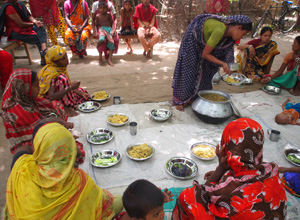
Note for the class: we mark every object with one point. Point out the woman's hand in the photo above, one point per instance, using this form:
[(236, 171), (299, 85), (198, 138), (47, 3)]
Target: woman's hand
[(86, 96), (226, 68), (69, 125), (252, 51), (208, 174), (75, 85), (74, 29), (167, 195), (265, 80), (38, 24), (222, 156)]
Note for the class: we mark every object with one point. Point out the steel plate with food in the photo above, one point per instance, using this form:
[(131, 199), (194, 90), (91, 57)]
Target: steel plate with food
[(105, 158), (89, 106), (160, 114), (100, 96), (293, 156), (204, 151), (140, 152), (117, 119), (100, 136), (234, 79), (273, 90), (181, 167)]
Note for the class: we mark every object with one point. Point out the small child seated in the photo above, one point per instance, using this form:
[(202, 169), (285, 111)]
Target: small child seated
[(104, 21), (143, 200), (290, 113)]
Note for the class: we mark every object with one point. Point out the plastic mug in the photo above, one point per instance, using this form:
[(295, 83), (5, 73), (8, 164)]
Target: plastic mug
[(133, 128), (117, 100), (273, 135)]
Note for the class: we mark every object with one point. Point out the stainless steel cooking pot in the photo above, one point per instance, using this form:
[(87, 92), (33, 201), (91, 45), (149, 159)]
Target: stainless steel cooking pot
[(212, 112)]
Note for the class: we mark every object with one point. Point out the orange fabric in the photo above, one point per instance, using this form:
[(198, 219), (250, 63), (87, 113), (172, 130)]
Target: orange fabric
[(294, 113)]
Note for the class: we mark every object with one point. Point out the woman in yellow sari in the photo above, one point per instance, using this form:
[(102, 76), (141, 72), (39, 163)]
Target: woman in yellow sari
[(78, 31), (257, 55), (45, 185), (55, 82)]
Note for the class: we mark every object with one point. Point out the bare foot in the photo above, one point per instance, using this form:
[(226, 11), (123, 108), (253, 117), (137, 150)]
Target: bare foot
[(148, 56), (145, 53), (70, 112), (129, 52), (296, 93), (180, 108), (110, 63), (101, 63), (292, 91)]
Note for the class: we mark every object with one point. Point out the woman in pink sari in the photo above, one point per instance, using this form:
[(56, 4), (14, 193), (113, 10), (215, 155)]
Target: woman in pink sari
[(112, 10)]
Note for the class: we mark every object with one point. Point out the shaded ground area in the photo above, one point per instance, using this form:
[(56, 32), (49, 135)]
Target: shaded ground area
[(133, 77)]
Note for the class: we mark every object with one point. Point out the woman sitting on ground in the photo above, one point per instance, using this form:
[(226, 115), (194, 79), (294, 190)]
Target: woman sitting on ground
[(290, 79), (23, 109), (56, 84), (257, 55), (54, 188), (242, 186)]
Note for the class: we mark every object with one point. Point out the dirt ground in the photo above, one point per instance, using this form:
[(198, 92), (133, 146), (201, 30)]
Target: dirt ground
[(134, 78)]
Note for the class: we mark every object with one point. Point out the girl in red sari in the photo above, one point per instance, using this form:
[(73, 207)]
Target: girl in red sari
[(242, 186), (23, 109)]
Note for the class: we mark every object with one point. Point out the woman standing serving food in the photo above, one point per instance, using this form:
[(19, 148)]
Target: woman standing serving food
[(206, 45)]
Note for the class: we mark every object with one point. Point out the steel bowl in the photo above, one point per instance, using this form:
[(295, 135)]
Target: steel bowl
[(99, 136), (203, 143), (104, 155), (90, 106), (181, 168), (139, 159), (273, 90), (160, 114), (100, 100), (240, 79), (212, 112), (293, 153)]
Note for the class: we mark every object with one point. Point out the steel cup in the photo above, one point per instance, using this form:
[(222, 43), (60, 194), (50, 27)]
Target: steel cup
[(133, 128), (273, 135), (117, 100)]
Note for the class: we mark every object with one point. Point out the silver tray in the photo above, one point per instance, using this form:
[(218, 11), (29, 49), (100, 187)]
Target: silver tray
[(89, 106), (203, 143), (139, 159), (272, 90), (117, 125), (100, 100), (107, 158), (99, 136), (177, 164), (238, 76), (295, 152), (160, 114)]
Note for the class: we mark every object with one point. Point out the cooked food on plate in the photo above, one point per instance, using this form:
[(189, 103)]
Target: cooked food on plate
[(118, 119), (100, 95), (140, 151), (204, 151)]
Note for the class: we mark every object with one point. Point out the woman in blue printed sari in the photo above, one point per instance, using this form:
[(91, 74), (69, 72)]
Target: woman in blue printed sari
[(206, 45)]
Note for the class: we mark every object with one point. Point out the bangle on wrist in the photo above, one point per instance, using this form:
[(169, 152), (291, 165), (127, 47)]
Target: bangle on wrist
[(52, 114), (269, 78), (250, 46)]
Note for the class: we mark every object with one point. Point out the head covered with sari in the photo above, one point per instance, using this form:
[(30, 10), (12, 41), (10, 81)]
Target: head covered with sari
[(250, 189), (49, 187), (21, 112), (52, 70)]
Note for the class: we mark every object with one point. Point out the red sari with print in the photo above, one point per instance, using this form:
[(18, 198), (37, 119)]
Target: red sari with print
[(250, 189)]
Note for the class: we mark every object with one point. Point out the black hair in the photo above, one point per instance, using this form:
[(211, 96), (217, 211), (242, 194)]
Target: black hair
[(141, 197), (33, 76), (265, 29), (245, 26), (102, 3), (298, 39), (124, 1)]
